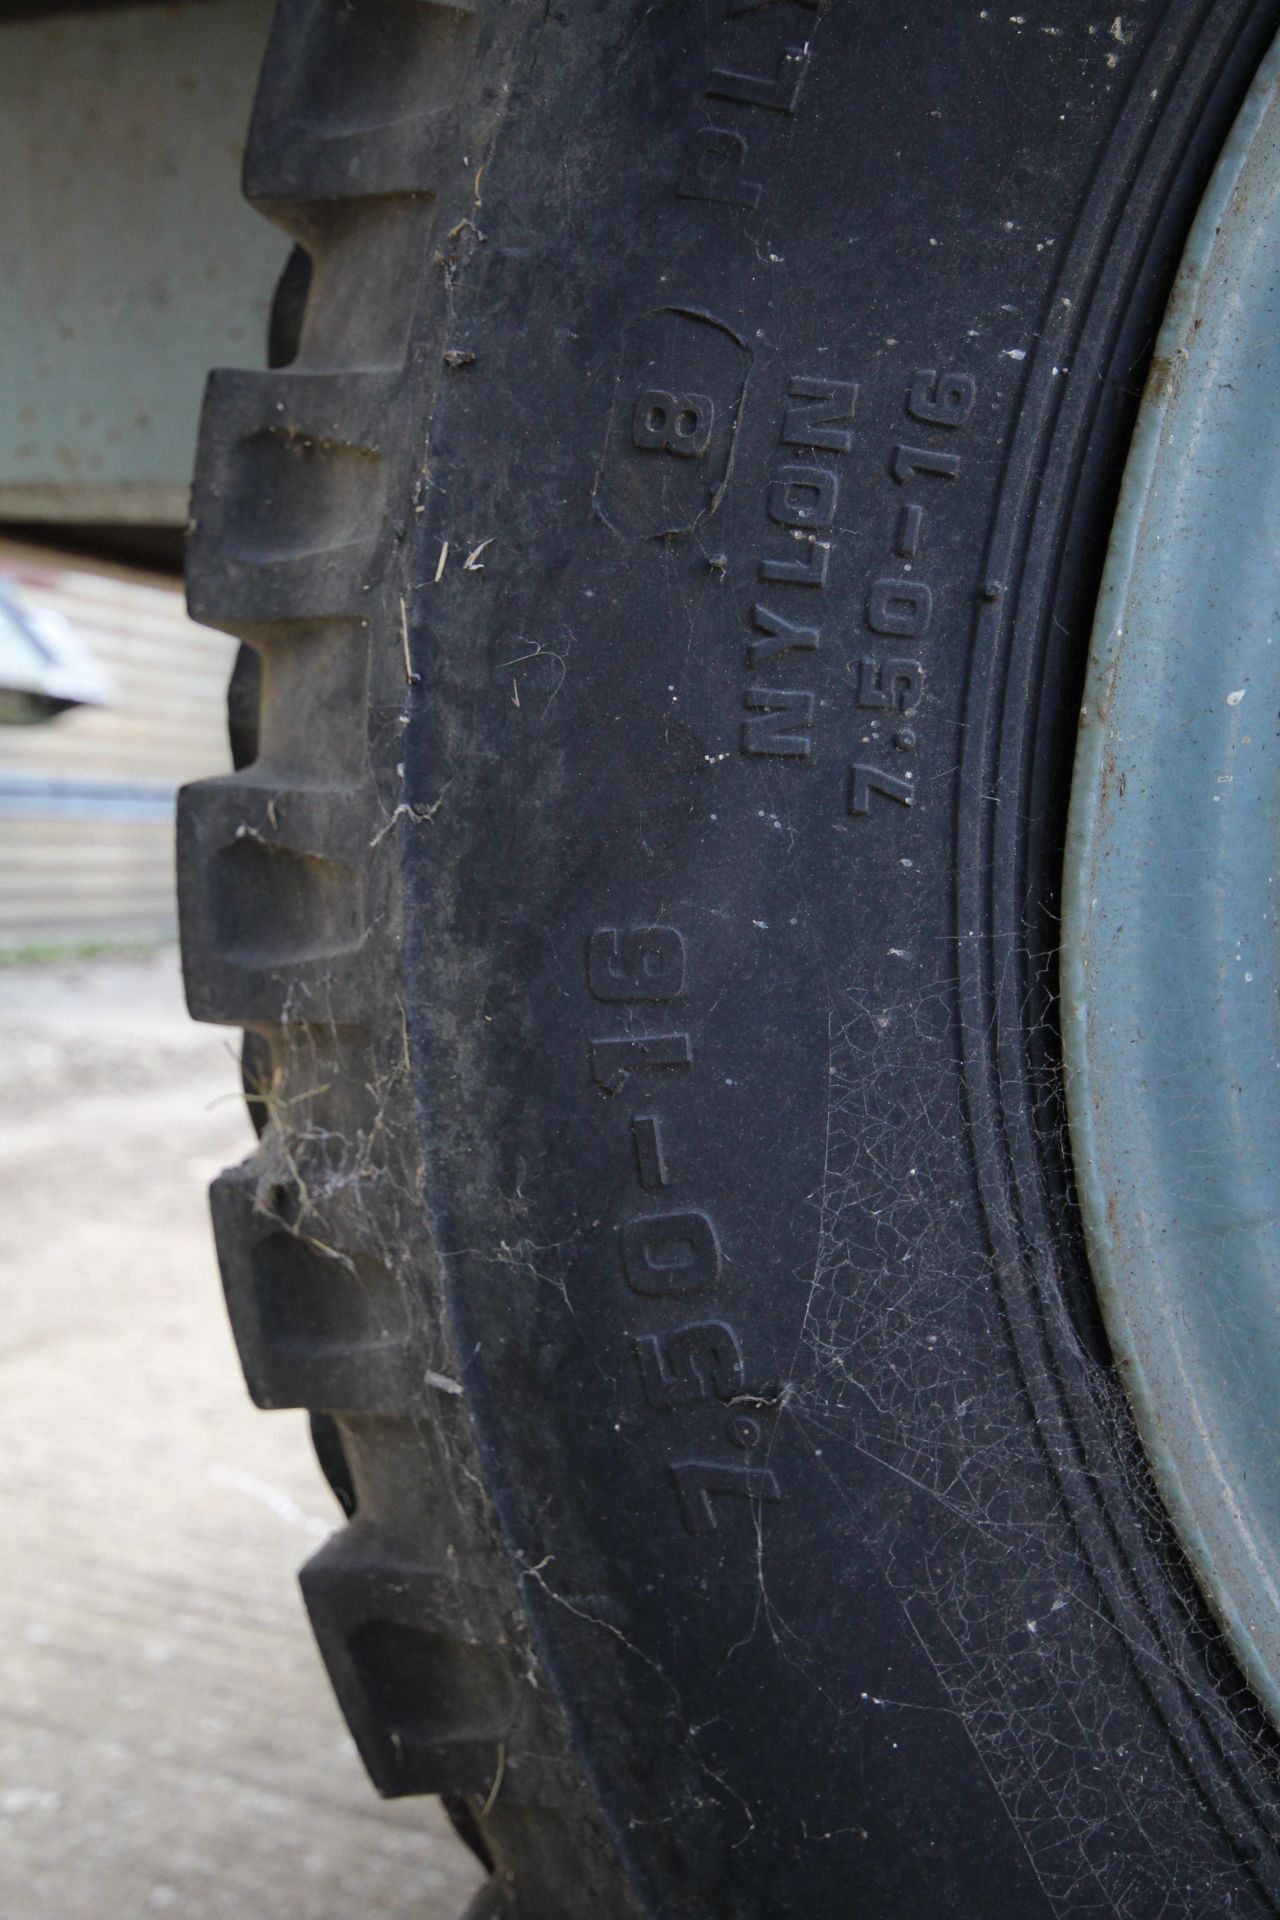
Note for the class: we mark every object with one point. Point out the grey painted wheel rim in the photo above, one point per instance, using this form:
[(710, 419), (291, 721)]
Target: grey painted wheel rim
[(1170, 960)]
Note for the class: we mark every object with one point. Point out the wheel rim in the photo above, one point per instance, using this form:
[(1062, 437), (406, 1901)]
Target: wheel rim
[(1170, 965)]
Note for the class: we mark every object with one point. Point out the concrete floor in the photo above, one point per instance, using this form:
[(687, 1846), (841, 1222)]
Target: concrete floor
[(168, 1744)]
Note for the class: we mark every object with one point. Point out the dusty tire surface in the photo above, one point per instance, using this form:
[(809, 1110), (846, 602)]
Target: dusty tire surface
[(670, 553)]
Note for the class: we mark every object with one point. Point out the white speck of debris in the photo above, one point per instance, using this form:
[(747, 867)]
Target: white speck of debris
[(441, 1382), (473, 563), (762, 924), (1234, 699), (906, 863), (899, 953), (442, 562), (1249, 979), (29, 1800), (1116, 29), (1013, 353)]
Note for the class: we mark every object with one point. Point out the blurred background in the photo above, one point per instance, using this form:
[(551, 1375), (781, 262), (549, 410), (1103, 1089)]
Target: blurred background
[(167, 1739)]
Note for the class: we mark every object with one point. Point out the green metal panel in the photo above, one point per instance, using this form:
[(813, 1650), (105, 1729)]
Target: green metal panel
[(129, 264)]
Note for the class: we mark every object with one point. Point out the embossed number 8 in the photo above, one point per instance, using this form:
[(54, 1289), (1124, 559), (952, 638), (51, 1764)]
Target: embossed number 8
[(678, 423)]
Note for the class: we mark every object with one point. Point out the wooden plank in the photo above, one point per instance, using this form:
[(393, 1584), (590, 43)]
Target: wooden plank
[(78, 876), (167, 717)]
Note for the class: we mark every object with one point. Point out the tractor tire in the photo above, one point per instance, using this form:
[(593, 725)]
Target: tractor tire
[(670, 554)]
